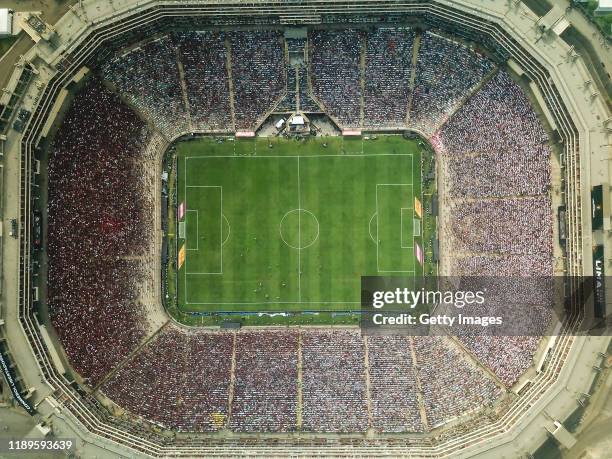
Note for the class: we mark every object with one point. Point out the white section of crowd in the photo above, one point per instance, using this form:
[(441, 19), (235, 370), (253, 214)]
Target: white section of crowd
[(265, 393), (451, 384), (498, 178), (388, 69), (333, 381), (259, 74), (148, 77), (335, 73), (393, 385), (204, 59), (446, 73)]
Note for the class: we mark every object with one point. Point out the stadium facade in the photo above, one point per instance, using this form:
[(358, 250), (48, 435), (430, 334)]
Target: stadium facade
[(530, 45)]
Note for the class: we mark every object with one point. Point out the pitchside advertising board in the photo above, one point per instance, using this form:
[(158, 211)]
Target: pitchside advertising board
[(562, 225), (598, 215), (597, 207), (599, 282)]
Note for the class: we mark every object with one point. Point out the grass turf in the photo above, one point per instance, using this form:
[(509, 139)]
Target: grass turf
[(280, 225)]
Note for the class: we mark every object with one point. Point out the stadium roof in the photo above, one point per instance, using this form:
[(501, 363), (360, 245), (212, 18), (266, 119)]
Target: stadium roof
[(554, 20), (604, 7), (6, 22)]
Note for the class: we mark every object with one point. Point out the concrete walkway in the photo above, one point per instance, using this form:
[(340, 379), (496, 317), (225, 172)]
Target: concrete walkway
[(594, 48), (51, 10)]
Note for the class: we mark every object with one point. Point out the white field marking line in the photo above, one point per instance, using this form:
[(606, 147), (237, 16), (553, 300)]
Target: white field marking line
[(221, 229), (358, 155), (197, 229), (377, 240), (229, 229), (370, 227), (185, 200), (421, 199), (280, 228), (410, 271), (412, 195), (402, 209), (284, 302), (393, 184), (349, 155), (299, 234)]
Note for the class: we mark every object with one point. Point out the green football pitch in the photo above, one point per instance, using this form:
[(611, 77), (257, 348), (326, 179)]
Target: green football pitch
[(285, 225)]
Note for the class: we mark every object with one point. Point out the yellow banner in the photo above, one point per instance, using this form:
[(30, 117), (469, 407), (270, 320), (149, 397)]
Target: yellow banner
[(181, 257), (218, 419), (418, 208)]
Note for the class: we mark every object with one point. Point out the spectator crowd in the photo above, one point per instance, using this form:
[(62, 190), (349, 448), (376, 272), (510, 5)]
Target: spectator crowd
[(204, 59), (335, 73), (151, 76), (393, 385), (334, 389), (388, 67), (148, 77), (99, 223), (265, 391), (508, 225), (497, 176), (182, 380), (179, 380), (259, 72), (446, 73), (452, 385)]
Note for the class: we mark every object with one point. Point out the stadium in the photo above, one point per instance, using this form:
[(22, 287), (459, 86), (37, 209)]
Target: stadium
[(200, 187)]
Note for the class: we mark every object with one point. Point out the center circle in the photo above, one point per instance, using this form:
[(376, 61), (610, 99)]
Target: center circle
[(299, 228)]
